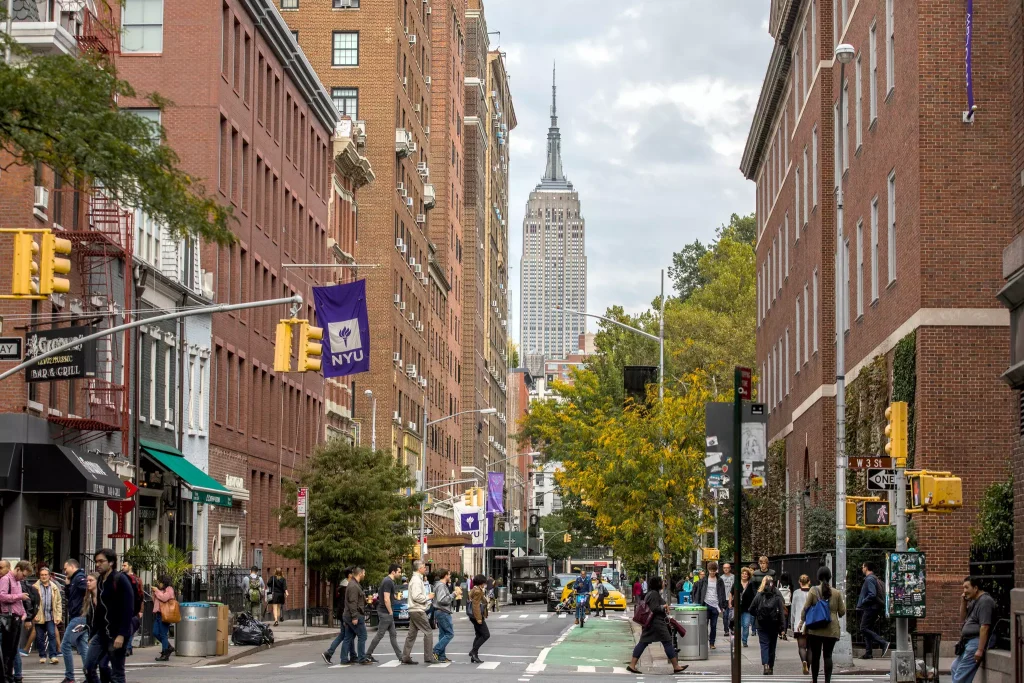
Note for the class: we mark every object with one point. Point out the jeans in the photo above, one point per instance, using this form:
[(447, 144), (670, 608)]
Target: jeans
[(713, 613), (748, 620), (74, 641), (482, 635), (727, 621), (670, 652), (385, 624), (9, 652), (867, 627), (348, 651), (161, 631), (355, 633), (769, 641), (417, 623), (46, 639), (818, 646), (963, 668), (99, 647), (445, 633)]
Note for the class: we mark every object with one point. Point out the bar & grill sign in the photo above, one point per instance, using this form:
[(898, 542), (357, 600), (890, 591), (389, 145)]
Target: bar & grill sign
[(78, 361)]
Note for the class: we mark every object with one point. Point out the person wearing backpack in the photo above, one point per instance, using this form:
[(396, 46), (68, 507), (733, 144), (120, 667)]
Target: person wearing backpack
[(871, 602), (126, 569), (255, 589), (769, 612), (822, 625), (602, 593)]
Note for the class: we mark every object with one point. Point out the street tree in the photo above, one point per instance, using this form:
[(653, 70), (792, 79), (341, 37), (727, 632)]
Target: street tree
[(358, 514), (556, 526), (60, 111)]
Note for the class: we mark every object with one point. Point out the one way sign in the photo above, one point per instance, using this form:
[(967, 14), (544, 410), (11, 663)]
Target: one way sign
[(881, 480)]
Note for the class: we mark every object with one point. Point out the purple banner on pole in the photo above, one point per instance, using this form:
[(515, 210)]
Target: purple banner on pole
[(967, 59), (496, 492), (341, 311), (489, 539)]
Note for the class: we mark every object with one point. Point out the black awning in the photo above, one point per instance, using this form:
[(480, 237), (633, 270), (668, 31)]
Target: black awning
[(49, 468)]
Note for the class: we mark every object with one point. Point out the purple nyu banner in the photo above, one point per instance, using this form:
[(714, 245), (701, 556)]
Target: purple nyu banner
[(341, 311), (496, 492), (489, 539)]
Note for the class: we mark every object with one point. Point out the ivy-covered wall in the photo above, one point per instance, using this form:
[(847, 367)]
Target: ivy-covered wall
[(904, 386), (768, 507)]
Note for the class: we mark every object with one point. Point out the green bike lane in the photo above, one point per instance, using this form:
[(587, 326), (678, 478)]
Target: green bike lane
[(600, 643)]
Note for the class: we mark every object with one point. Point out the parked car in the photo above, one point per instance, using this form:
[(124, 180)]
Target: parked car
[(399, 607), (556, 589)]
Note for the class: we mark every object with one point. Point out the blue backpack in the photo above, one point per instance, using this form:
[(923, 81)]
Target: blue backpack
[(819, 615)]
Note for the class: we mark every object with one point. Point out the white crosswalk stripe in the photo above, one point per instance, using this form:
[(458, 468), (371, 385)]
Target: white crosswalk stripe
[(440, 665), (587, 669), (390, 664), (562, 616), (535, 667), (503, 616), (489, 665), (296, 665), (209, 666), (249, 666), (339, 666), (619, 670), (524, 616)]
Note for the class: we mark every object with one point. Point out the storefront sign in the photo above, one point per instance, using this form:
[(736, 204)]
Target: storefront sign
[(211, 498), (78, 361), (147, 513)]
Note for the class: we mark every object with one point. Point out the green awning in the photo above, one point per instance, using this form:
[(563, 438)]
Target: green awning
[(205, 489)]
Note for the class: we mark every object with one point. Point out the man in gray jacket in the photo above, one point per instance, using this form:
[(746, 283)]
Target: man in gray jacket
[(443, 600), (420, 597)]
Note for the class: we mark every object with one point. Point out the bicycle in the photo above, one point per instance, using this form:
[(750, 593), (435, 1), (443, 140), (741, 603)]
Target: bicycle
[(581, 609)]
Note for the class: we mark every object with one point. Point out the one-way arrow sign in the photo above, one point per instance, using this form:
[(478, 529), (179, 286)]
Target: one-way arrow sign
[(881, 480)]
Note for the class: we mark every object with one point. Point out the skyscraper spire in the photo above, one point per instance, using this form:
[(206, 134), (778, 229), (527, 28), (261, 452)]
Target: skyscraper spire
[(553, 172)]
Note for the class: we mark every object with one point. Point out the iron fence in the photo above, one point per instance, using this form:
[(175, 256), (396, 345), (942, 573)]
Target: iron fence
[(216, 583)]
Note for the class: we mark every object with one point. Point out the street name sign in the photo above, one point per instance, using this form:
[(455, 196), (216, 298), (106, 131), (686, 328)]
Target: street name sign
[(10, 348), (881, 480), (863, 462)]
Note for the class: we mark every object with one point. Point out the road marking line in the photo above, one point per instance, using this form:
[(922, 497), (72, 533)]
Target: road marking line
[(390, 664), (619, 670), (562, 616), (503, 616), (524, 616), (586, 669), (208, 666), (439, 665), (296, 665), (539, 665), (542, 616), (489, 665), (248, 666)]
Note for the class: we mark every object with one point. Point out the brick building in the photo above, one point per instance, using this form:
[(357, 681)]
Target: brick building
[(927, 212)]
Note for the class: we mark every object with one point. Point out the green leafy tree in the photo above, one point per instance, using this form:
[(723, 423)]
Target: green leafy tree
[(994, 532), (60, 111), (556, 525), (358, 514), (685, 269), (513, 350)]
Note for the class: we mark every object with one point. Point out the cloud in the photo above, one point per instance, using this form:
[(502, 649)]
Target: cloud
[(655, 100)]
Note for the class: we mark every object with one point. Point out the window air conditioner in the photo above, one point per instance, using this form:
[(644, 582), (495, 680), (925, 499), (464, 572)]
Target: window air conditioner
[(412, 38), (395, 358), (398, 298), (41, 199), (400, 187), (397, 418), (410, 370), (401, 306)]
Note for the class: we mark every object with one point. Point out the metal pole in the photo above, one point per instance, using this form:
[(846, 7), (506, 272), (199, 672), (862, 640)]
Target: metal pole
[(423, 482), (844, 648), (737, 492), (716, 521), (305, 568), (373, 425), (903, 656), (663, 569)]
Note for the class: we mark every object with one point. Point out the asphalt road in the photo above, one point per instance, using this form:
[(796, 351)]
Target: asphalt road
[(527, 644)]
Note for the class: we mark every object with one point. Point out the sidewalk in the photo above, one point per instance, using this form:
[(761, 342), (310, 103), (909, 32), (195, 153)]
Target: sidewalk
[(284, 634), (787, 659)]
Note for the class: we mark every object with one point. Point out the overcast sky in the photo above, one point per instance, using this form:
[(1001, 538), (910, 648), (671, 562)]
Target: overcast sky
[(655, 98)]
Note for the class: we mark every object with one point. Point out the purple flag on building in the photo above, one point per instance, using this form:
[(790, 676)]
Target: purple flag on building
[(341, 311), (489, 538), (496, 492)]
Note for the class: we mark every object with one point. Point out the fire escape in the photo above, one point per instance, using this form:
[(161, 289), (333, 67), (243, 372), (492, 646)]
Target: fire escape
[(101, 242)]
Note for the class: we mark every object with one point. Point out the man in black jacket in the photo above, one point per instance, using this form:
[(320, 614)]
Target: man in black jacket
[(75, 636), (710, 592), (353, 617), (113, 619)]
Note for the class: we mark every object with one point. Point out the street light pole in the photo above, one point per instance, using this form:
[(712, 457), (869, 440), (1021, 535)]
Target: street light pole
[(373, 419), (844, 650)]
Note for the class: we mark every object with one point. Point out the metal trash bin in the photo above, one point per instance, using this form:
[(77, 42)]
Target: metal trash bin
[(501, 594), (926, 656), (196, 634), (694, 618)]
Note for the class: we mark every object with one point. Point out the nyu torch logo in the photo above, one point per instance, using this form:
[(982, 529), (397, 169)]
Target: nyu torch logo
[(346, 342)]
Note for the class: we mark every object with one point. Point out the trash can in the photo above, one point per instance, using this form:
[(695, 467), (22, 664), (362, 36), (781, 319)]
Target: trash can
[(501, 594), (196, 634), (926, 656), (694, 618)]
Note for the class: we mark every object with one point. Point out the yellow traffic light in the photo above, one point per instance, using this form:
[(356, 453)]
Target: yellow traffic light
[(710, 554), (25, 266), (310, 347), (467, 498), (851, 515), (283, 347), (934, 492), (896, 432), (53, 264), (567, 538)]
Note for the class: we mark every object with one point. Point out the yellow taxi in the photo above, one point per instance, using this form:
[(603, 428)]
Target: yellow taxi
[(615, 600)]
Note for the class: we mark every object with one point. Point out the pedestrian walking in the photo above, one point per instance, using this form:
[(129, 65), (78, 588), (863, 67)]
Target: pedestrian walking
[(638, 592), (162, 592), (710, 592), (75, 635), (277, 590), (686, 590), (255, 591), (786, 591), (140, 600), (602, 593), (467, 589), (871, 602), (113, 620), (796, 612), (386, 597), (729, 580), (976, 609), (353, 618), (747, 594), (48, 617), (478, 617), (656, 630), (12, 602), (643, 589), (770, 615), (456, 593), (822, 638), (419, 600), (443, 600), (762, 570)]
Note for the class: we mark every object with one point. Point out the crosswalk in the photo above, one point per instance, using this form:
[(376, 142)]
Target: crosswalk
[(562, 615)]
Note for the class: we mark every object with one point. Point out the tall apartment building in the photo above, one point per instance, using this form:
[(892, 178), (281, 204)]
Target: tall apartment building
[(921, 322), (553, 269)]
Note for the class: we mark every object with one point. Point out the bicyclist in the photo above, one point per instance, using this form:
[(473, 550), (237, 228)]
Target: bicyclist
[(582, 587)]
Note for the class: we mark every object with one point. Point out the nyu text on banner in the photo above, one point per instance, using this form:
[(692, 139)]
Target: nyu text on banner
[(341, 311)]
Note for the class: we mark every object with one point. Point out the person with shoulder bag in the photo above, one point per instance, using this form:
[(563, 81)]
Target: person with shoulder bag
[(164, 602), (653, 617), (478, 617), (442, 603), (48, 617), (769, 610), (822, 611), (12, 614), (278, 593)]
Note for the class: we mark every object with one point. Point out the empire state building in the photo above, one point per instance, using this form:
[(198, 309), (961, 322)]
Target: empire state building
[(554, 264)]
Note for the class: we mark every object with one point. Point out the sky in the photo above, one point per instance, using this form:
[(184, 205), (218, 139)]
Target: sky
[(655, 99)]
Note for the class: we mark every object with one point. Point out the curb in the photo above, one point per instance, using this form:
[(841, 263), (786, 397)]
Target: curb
[(227, 659)]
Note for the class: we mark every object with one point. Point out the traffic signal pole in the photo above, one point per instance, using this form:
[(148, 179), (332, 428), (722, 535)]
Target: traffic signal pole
[(737, 552), (295, 300)]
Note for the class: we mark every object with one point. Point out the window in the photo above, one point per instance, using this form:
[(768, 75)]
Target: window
[(760, 293), (142, 26), (860, 268), (846, 285), (874, 249), (807, 326), (859, 93), (814, 176), (892, 227), (814, 35), (846, 126), (837, 157), (768, 381), (347, 101), (339, 4), (152, 382), (815, 292), (761, 383), (346, 48), (796, 346), (289, 4), (147, 237), (873, 75), (785, 352), (785, 249), (168, 385), (807, 201), (806, 63), (796, 205), (890, 48)]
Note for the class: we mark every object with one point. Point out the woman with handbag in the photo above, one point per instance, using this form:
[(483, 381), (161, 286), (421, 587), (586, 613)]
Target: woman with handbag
[(822, 611), (651, 615), (164, 602), (277, 587)]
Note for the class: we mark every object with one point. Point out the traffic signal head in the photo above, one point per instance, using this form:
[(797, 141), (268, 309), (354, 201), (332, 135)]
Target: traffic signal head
[(567, 538), (710, 554), (896, 432), (876, 513), (935, 492), (851, 515), (53, 264), (283, 347), (310, 347), (26, 251)]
